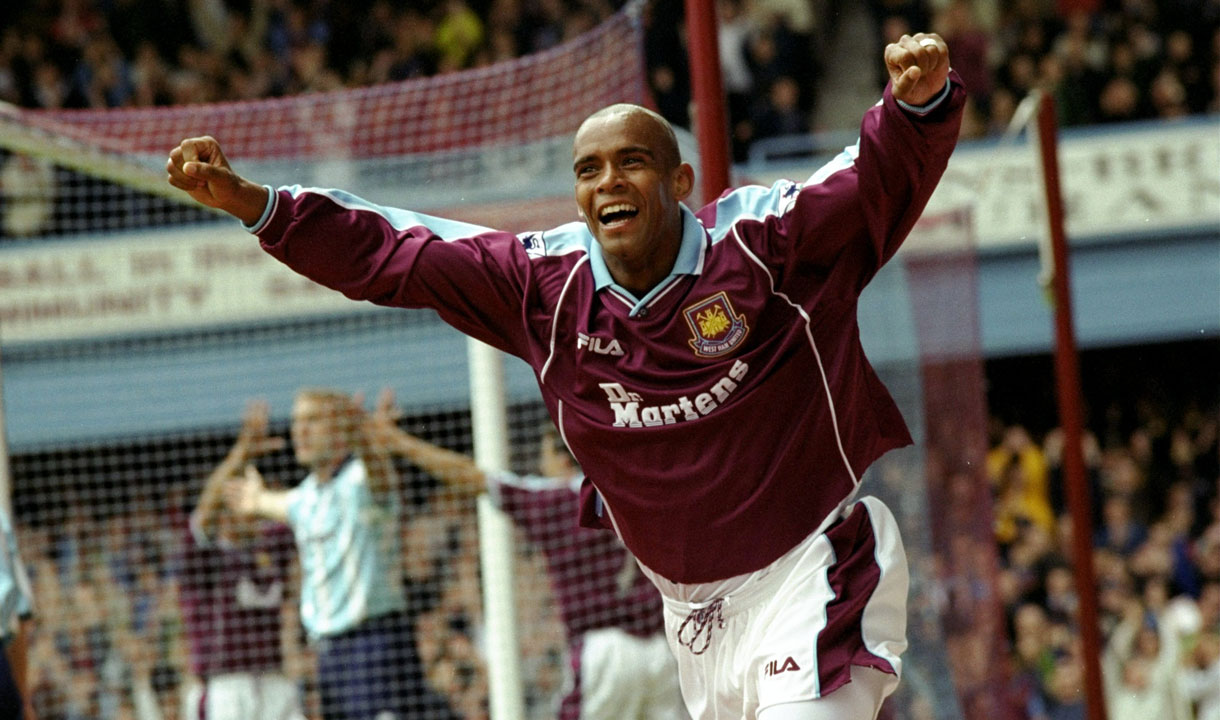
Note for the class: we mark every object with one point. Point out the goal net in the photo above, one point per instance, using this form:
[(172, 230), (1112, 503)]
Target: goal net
[(958, 647), (138, 332)]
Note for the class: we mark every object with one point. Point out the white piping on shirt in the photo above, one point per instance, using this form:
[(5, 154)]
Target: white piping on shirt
[(673, 282), (703, 247), (629, 302), (834, 419), (555, 318), (563, 434)]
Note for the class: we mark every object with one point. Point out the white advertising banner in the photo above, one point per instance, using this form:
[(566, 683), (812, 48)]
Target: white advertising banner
[(1142, 179), (129, 283), (1121, 181)]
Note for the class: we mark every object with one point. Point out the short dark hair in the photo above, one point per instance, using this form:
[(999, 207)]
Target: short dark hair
[(669, 153)]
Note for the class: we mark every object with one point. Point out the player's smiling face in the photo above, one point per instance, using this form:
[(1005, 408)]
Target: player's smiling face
[(629, 183)]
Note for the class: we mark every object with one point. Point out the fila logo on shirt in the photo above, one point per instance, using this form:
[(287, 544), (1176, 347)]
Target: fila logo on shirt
[(599, 345), (775, 667)]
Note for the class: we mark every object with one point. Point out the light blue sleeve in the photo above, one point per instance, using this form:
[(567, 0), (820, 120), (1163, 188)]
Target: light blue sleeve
[(294, 509), (930, 105), (15, 568)]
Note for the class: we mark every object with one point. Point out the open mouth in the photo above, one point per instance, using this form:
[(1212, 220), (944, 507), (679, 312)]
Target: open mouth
[(617, 214)]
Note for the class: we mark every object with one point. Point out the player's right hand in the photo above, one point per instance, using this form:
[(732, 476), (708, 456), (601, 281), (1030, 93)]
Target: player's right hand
[(199, 167), (918, 66), (253, 440), (241, 494)]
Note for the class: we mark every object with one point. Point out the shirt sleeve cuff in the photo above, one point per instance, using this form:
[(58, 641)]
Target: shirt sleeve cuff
[(272, 196), (929, 106)]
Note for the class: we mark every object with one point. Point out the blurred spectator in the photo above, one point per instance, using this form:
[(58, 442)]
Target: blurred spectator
[(734, 32), (234, 586), (1201, 677), (666, 57), (1119, 531), (1105, 62), (958, 24), (779, 112), (784, 44), (1140, 666), (410, 53), (1079, 55), (1052, 448), (612, 613), (459, 34), (1018, 471), (16, 611), (541, 25)]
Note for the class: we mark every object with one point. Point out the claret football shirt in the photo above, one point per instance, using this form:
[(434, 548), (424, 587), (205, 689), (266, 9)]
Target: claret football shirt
[(724, 416)]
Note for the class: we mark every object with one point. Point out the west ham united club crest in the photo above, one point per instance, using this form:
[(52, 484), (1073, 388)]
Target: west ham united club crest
[(716, 327)]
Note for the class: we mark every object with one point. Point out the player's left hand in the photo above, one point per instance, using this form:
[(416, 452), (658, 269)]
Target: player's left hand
[(199, 167), (253, 439), (918, 66), (383, 422)]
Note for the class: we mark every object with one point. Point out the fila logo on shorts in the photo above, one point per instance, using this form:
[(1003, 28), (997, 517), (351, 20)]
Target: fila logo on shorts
[(836, 600), (775, 667)]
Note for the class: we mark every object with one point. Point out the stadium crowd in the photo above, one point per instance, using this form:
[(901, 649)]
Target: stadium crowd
[(1153, 468), (108, 640), (97, 653), (1104, 60)]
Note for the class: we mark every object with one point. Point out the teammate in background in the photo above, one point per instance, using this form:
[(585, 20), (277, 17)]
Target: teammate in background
[(16, 610), (232, 588), (622, 668), (344, 516), (704, 367)]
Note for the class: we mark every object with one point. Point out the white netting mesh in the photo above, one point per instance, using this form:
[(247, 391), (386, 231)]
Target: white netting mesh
[(137, 329), (499, 133)]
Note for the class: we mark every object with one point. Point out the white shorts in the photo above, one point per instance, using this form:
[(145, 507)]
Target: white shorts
[(627, 677), (241, 696), (791, 632)]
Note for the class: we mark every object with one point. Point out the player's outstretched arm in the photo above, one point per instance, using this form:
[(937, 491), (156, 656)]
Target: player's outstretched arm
[(198, 166), (378, 464), (249, 495), (17, 654), (918, 66), (452, 468), (252, 441)]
